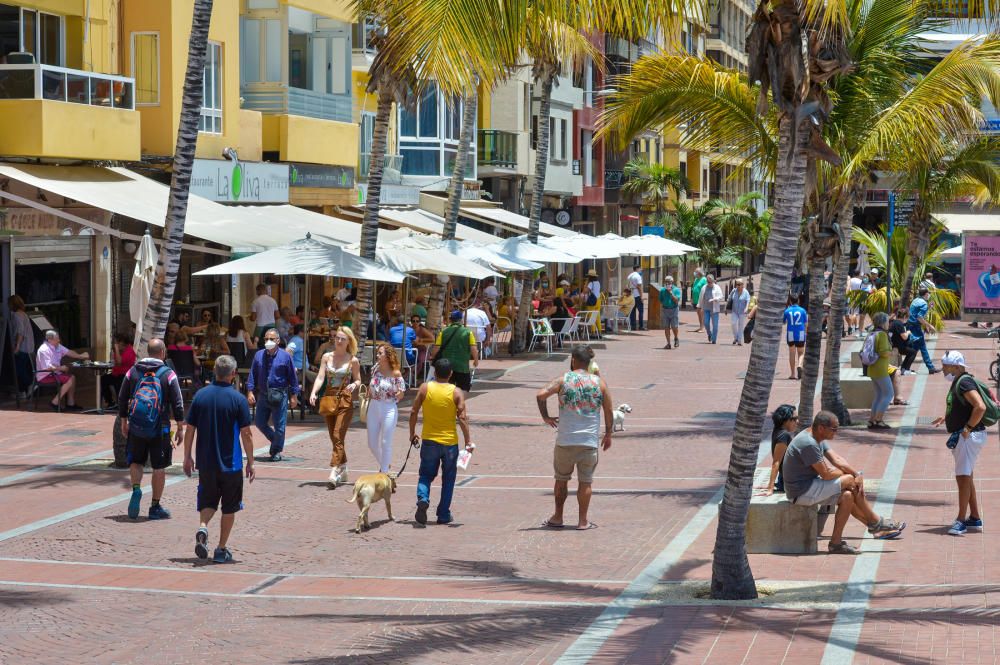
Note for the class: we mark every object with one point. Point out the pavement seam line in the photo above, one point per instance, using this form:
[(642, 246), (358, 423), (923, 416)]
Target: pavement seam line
[(110, 501), (849, 621)]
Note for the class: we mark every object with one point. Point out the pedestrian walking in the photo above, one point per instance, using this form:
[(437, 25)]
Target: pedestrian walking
[(711, 303), (149, 397), (220, 418), (635, 317), (815, 475), (878, 371), (583, 397), (739, 301), (965, 411), (443, 406), (918, 326), (696, 288), (795, 318), (263, 312), (458, 344), (272, 388), (386, 388), (339, 376), (670, 304)]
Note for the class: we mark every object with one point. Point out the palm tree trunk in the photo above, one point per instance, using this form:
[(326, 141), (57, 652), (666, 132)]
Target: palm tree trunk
[(731, 574), (832, 399), (369, 227), (436, 305), (168, 265), (814, 341), (919, 231), (537, 191)]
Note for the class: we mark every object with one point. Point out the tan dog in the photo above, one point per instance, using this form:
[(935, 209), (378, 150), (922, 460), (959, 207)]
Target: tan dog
[(370, 489)]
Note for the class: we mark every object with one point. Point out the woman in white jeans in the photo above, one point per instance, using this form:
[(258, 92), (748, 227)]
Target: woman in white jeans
[(739, 299), (387, 387)]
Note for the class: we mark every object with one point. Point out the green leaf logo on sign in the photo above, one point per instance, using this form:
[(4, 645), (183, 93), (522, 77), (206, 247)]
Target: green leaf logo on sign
[(237, 183)]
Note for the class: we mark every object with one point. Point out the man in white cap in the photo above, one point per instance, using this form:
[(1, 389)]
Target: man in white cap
[(964, 412)]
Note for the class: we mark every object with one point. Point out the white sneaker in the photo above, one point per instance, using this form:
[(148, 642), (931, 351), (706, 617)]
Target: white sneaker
[(957, 529), (342, 475)]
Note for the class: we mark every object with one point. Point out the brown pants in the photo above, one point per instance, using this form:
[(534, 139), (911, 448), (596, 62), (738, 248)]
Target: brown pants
[(337, 424)]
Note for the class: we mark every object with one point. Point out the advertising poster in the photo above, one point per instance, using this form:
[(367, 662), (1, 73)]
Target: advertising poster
[(981, 276)]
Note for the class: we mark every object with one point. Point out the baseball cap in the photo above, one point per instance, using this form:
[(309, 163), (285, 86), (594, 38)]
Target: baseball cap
[(953, 358), (456, 315), (874, 271)]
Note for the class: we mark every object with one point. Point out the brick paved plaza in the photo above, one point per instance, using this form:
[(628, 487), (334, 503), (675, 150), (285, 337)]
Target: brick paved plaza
[(82, 583)]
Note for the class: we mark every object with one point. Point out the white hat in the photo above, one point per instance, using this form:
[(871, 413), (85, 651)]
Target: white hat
[(874, 271), (953, 358)]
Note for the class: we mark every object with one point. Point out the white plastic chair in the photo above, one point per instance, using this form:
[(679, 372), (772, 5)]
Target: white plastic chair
[(589, 319), (502, 330), (542, 330), (408, 370), (570, 328), (609, 313), (367, 356)]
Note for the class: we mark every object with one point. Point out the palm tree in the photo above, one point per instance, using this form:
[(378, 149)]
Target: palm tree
[(168, 265), (966, 168), (654, 183), (945, 302)]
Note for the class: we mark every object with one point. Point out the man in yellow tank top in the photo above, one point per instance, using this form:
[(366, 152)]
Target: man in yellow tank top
[(443, 405)]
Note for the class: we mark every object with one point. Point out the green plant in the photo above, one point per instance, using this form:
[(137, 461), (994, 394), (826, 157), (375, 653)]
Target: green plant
[(944, 302)]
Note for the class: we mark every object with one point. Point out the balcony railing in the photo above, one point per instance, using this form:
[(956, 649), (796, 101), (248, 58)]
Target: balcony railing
[(268, 98), (66, 85), (497, 148), (393, 162)]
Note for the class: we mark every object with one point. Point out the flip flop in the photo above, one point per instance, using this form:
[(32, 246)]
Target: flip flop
[(552, 525), (590, 525)]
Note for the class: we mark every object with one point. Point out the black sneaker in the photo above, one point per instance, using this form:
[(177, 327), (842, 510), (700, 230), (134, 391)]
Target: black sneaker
[(222, 555), (201, 544), (933, 370), (421, 515)]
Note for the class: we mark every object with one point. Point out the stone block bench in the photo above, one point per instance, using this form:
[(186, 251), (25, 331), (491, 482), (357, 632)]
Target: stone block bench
[(856, 358), (856, 388)]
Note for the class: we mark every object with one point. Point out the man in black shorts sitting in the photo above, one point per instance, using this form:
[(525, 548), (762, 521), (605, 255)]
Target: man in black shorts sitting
[(221, 417), (149, 396)]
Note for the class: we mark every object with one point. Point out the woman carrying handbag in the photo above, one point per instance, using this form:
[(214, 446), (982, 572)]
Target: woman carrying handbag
[(387, 387), (339, 376)]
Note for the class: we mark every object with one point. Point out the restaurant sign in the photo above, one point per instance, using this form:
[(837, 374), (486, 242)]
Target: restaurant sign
[(240, 182), (323, 177)]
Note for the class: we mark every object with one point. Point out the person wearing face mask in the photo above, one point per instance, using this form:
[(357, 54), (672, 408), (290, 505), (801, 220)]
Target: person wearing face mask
[(964, 411), (711, 302), (272, 388)]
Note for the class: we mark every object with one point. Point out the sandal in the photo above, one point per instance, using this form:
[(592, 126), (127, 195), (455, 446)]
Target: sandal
[(841, 548), (551, 525), (881, 425), (871, 424), (900, 402), (590, 525)]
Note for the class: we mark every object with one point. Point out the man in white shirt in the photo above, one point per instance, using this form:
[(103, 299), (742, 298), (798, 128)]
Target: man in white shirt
[(263, 311), (711, 302), (478, 322), (635, 284), (851, 317), (490, 292), (343, 293)]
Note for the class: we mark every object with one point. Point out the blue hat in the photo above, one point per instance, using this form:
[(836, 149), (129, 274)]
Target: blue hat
[(456, 315)]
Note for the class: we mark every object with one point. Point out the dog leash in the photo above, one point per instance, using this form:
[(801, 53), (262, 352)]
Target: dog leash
[(413, 444)]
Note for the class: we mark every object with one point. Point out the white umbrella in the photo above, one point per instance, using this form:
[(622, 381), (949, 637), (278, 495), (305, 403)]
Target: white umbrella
[(481, 254), (308, 257), (584, 246), (425, 260), (651, 245), (520, 249), (142, 282)]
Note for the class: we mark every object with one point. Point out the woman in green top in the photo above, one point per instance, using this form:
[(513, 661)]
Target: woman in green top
[(878, 372)]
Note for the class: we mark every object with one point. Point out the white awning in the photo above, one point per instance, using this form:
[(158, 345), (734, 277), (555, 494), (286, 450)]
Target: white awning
[(957, 223), (118, 190), (426, 222), (512, 221)]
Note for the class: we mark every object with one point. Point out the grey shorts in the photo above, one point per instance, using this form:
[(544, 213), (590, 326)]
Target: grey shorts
[(669, 318), (584, 458), (820, 492)]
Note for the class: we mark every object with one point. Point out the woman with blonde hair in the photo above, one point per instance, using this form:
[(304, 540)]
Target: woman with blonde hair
[(339, 376), (387, 387)]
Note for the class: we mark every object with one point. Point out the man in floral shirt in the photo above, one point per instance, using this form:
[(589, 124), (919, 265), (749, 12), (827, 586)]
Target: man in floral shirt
[(582, 398)]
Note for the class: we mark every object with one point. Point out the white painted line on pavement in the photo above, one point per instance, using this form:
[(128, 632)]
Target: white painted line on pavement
[(104, 503), (850, 619)]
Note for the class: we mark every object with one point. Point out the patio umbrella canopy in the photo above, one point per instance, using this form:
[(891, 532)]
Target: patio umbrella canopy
[(521, 249), (143, 277), (584, 246), (429, 261), (308, 257), (481, 254)]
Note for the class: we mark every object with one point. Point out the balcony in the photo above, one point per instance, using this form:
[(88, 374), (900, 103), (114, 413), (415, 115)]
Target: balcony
[(55, 112), (295, 138), (390, 163), (497, 148), (275, 98)]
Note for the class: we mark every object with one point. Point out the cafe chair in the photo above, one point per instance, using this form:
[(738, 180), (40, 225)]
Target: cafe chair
[(187, 372)]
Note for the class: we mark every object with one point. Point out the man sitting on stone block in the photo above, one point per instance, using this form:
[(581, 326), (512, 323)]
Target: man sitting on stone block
[(814, 474)]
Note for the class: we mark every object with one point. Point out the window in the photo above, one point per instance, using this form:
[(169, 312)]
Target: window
[(587, 155), (563, 139), (367, 132), (260, 41), (146, 67), (211, 105), (552, 138), (588, 82), (42, 35)]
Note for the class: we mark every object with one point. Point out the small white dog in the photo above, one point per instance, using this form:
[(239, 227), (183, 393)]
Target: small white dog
[(618, 417)]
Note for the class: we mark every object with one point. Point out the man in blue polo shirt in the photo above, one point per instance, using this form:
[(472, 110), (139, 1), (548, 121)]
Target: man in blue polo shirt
[(917, 324), (398, 339), (220, 416)]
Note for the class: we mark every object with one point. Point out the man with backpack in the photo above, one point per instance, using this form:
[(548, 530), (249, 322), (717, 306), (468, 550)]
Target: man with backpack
[(149, 397), (969, 409)]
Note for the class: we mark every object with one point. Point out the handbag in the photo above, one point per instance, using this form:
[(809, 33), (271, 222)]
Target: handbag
[(275, 396), (363, 400)]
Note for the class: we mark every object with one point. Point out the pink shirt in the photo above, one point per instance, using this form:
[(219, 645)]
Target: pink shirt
[(48, 356)]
